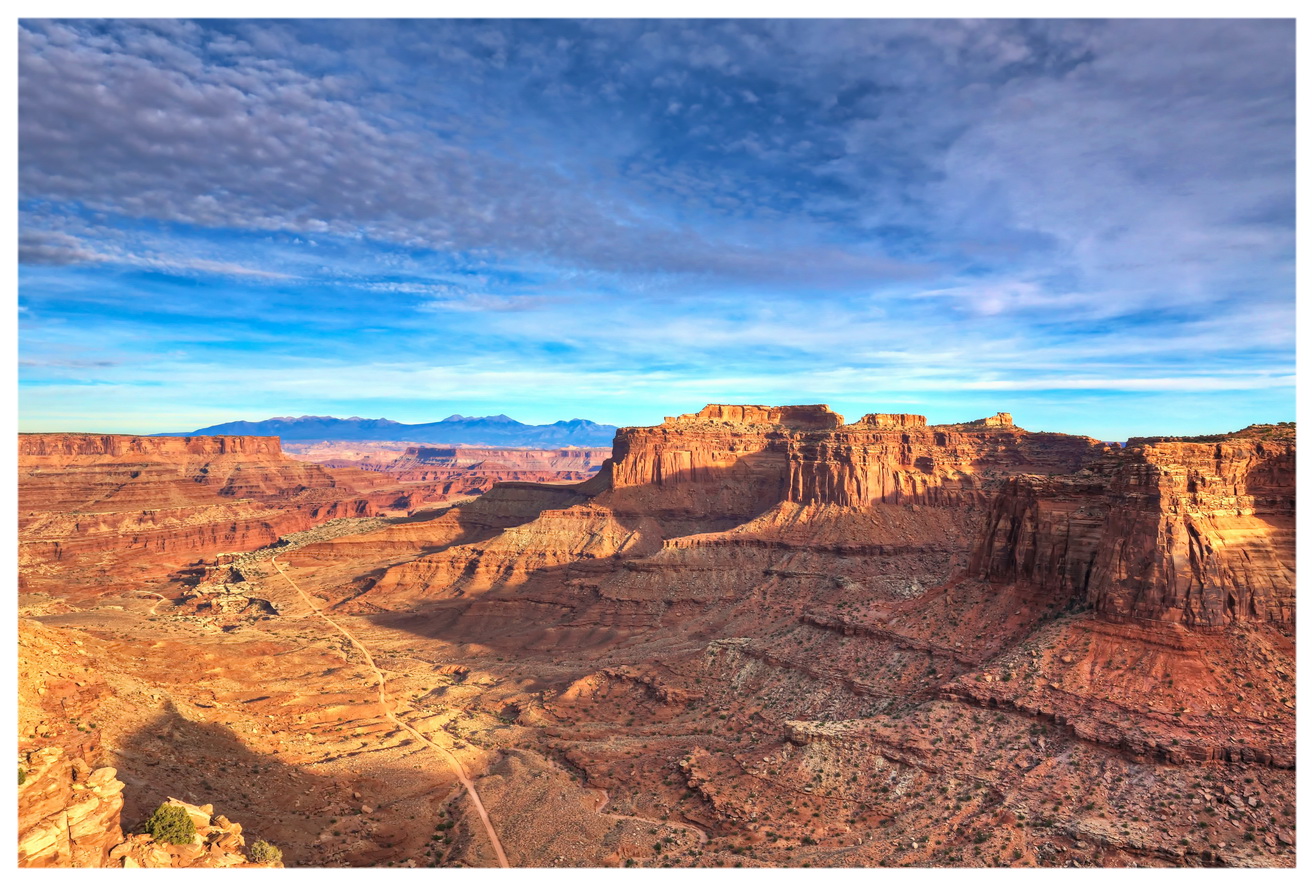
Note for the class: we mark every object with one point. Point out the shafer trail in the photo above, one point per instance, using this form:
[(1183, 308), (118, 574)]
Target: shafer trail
[(388, 712)]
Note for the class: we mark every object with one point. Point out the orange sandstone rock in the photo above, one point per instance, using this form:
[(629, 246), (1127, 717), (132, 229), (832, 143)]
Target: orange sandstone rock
[(164, 501)]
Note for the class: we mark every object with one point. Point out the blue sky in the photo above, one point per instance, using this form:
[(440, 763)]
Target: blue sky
[(1087, 223)]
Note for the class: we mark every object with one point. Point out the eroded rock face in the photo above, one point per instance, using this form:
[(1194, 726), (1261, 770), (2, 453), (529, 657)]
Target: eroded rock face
[(702, 468), (51, 449), (893, 420), (719, 470), (897, 461), (68, 814), (165, 500), (1200, 533), (814, 417), (805, 454)]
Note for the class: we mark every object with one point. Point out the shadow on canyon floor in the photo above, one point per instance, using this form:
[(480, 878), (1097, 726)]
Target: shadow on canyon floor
[(292, 807)]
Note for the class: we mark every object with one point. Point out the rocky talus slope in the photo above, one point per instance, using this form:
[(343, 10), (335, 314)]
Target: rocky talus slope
[(757, 636)]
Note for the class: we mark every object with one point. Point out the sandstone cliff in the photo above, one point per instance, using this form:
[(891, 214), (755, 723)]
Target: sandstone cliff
[(164, 501), (724, 466), (805, 454), (1194, 532)]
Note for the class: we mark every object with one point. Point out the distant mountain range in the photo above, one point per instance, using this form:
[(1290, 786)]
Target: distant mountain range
[(489, 430)]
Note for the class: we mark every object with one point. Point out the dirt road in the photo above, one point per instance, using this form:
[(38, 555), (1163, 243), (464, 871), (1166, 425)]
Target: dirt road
[(156, 605), (455, 763), (605, 797)]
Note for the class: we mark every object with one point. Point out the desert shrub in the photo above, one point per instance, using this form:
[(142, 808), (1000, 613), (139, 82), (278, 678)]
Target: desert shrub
[(264, 852), (22, 775), (171, 824)]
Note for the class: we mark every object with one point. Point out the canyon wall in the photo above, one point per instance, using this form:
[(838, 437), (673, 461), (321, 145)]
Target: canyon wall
[(161, 501), (807, 455), (94, 474), (1200, 533), (52, 449), (901, 460), (695, 478), (435, 474), (1196, 532)]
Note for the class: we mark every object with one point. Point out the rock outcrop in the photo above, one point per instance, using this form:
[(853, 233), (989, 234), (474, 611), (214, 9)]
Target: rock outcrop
[(893, 420), (69, 816), (1199, 532), (719, 470), (68, 813), (754, 456), (218, 844), (815, 417)]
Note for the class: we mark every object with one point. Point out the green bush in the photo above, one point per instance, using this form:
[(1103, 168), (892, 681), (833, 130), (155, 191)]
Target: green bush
[(22, 775), (263, 852), (171, 824)]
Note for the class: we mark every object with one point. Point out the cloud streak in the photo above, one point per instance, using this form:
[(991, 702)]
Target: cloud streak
[(999, 206)]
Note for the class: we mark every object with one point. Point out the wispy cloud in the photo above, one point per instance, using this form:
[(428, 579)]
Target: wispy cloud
[(645, 209), (53, 248), (43, 247)]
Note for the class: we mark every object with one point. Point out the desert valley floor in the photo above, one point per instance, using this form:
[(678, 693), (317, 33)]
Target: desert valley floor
[(756, 636)]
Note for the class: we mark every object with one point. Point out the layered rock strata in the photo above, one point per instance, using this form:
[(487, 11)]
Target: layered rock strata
[(68, 813), (429, 475), (164, 501), (417, 461), (718, 470), (1200, 533), (806, 455)]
